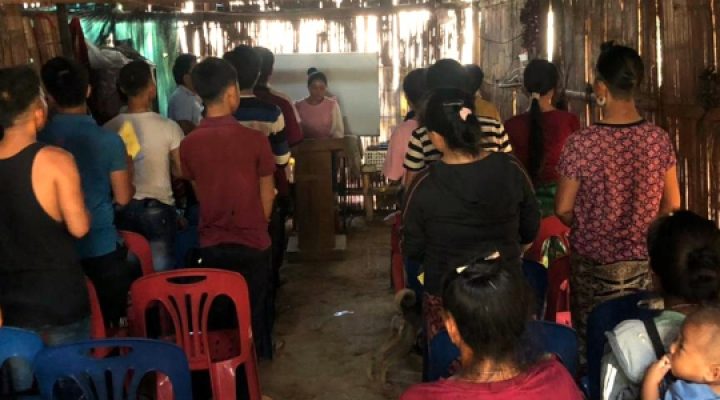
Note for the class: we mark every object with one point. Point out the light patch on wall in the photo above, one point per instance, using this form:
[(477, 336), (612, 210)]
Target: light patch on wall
[(659, 51), (188, 7), (550, 34), (466, 54)]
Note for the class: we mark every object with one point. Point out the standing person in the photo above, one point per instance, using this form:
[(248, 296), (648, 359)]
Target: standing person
[(487, 307), (265, 92), (616, 177), (320, 115), (267, 118), (539, 135), (185, 107), (102, 161), (231, 167), (487, 206), (414, 89), (42, 287), (483, 108), (447, 73), (151, 212)]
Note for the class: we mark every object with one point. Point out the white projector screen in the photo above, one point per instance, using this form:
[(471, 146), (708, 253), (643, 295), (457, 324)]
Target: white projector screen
[(352, 78)]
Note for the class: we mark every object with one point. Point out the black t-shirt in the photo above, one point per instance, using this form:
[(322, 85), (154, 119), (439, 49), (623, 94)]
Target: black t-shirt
[(456, 213)]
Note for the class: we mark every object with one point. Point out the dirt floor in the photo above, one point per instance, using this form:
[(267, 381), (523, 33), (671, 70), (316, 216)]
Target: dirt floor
[(329, 357)]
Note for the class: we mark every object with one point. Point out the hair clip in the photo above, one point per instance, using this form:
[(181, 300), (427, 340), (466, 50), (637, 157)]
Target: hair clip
[(493, 256), (460, 270), (464, 113), (535, 96)]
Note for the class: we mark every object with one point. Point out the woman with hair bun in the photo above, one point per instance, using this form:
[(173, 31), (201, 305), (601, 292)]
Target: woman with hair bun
[(470, 203), (617, 176), (684, 253), (538, 136), (487, 307), (320, 116)]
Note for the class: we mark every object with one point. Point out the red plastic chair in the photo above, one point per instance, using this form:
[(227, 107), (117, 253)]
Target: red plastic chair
[(138, 245), (186, 297), (397, 265), (97, 322), (549, 227), (558, 297)]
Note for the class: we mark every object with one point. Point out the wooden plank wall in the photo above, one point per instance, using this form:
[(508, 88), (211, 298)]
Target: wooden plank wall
[(27, 40)]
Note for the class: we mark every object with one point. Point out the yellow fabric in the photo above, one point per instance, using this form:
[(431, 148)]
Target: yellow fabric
[(484, 108), (129, 137)]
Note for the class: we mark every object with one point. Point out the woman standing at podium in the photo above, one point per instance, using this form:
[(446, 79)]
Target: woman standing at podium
[(320, 115)]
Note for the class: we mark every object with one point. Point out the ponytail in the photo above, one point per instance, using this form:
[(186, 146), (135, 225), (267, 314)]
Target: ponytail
[(450, 113), (537, 141)]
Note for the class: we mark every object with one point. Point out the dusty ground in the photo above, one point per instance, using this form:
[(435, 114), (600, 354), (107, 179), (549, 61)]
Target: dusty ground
[(327, 357)]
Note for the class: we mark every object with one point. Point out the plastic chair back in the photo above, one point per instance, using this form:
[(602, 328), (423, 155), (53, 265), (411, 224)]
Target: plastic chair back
[(111, 377), (559, 340), (603, 318), (187, 295), (549, 227), (537, 277), (138, 245), (20, 343), (558, 291)]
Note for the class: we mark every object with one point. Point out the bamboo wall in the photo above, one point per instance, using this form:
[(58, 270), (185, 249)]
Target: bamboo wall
[(27, 40)]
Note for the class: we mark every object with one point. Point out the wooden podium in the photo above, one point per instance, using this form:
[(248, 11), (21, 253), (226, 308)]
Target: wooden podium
[(315, 208)]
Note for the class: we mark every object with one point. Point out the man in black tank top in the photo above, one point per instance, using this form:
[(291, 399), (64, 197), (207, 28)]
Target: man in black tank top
[(42, 286)]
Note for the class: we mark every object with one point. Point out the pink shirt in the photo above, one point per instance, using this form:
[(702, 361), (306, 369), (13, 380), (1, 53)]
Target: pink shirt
[(548, 379), (398, 146), (320, 121), (621, 169)]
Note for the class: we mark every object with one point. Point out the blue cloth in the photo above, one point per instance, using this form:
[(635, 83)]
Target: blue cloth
[(682, 390), (98, 153)]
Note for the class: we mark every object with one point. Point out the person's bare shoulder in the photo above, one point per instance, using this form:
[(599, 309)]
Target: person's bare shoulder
[(56, 160)]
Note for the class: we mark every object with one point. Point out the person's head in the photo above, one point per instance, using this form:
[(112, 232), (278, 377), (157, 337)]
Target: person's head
[(66, 81), (449, 116), (448, 73), (695, 354), (540, 80), (684, 251), (215, 81), (267, 62), (619, 72), (487, 308), (414, 87), (21, 99), (317, 84), (246, 63), (136, 80), (181, 69), (477, 77)]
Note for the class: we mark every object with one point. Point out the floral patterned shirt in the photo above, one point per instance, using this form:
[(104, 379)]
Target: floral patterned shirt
[(621, 169)]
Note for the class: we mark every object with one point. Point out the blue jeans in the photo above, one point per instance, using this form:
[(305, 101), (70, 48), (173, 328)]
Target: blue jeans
[(158, 223), (21, 370)]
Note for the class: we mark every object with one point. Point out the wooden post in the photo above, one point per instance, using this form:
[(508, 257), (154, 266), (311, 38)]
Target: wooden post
[(64, 28)]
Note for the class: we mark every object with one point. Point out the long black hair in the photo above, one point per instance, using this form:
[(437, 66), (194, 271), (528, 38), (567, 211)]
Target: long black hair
[(442, 115), (491, 303), (540, 77)]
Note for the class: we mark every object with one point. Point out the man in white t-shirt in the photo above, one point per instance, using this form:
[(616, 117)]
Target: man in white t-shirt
[(152, 210)]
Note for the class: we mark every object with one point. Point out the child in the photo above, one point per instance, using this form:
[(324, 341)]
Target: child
[(694, 360)]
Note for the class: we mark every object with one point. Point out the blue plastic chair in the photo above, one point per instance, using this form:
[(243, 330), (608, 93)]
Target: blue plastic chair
[(536, 275), (557, 339), (75, 362), (22, 344), (604, 317)]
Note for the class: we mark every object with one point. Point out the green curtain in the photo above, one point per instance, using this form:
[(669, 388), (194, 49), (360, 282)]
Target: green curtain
[(156, 40)]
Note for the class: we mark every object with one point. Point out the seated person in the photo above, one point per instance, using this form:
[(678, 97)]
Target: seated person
[(231, 167), (685, 264), (483, 108), (487, 308), (694, 360)]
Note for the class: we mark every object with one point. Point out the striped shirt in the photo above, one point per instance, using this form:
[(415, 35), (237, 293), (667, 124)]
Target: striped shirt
[(421, 152), (268, 119)]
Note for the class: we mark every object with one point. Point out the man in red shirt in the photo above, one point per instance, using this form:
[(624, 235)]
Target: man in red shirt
[(231, 168)]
